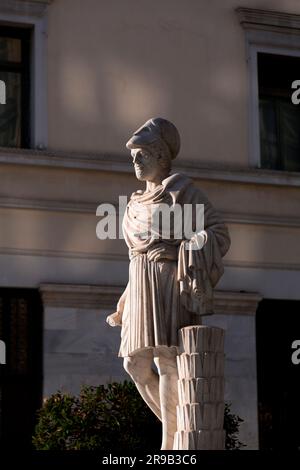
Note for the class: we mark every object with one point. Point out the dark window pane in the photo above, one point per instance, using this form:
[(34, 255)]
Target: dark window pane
[(268, 134), (10, 113), (290, 136), (14, 71), (276, 74), (279, 117), (10, 50)]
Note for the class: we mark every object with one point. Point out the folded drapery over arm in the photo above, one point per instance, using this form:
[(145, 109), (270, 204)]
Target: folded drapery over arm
[(200, 269)]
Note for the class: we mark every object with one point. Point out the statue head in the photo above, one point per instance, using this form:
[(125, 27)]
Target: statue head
[(153, 146)]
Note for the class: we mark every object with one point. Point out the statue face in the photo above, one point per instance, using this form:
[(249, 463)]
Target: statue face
[(146, 165)]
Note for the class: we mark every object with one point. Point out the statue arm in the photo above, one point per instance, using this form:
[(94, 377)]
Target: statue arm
[(115, 319), (122, 299)]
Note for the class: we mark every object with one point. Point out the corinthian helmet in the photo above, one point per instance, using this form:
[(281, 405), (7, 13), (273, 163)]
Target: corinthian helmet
[(156, 131)]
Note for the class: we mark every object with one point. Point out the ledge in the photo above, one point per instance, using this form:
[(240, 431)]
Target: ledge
[(236, 303), (80, 296), (113, 163), (123, 258), (90, 208), (251, 17), (33, 8), (98, 297)]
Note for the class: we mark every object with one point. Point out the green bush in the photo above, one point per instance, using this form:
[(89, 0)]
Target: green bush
[(231, 425), (112, 417)]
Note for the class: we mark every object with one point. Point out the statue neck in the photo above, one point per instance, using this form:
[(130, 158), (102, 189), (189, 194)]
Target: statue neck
[(153, 184)]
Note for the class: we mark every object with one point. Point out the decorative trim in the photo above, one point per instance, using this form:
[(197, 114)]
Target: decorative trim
[(49, 205), (98, 297), (121, 164), (262, 265), (80, 296), (250, 17), (90, 208), (64, 254), (123, 258), (236, 303), (33, 8), (239, 174), (259, 219)]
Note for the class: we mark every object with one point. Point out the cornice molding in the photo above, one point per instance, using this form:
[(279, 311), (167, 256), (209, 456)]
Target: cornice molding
[(51, 205), (260, 219), (98, 297), (236, 303), (120, 258), (80, 296), (32, 8), (90, 208), (113, 163), (123, 258), (277, 266), (267, 19)]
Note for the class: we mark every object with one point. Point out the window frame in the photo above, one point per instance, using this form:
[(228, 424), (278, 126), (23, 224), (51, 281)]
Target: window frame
[(279, 101), (254, 130), (268, 32), (25, 35), (18, 14)]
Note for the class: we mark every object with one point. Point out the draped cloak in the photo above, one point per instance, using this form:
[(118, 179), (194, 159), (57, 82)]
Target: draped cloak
[(165, 295)]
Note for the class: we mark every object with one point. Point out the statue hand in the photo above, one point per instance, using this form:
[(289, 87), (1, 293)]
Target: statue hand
[(115, 319), (199, 239), (162, 251)]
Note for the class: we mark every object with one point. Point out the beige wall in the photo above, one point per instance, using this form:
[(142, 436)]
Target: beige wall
[(52, 212), (113, 64)]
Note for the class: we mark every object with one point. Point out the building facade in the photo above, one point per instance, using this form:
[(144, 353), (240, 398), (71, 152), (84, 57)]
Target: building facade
[(83, 75)]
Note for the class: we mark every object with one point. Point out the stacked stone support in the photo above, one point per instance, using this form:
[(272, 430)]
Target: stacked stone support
[(200, 412)]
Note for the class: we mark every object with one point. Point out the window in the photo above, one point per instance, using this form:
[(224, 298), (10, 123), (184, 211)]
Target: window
[(14, 71), (26, 21), (273, 58), (279, 118)]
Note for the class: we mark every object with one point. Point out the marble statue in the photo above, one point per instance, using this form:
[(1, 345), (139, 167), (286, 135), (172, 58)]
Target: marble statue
[(171, 280)]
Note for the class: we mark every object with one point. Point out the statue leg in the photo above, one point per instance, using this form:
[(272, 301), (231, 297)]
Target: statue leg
[(139, 367), (165, 360)]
